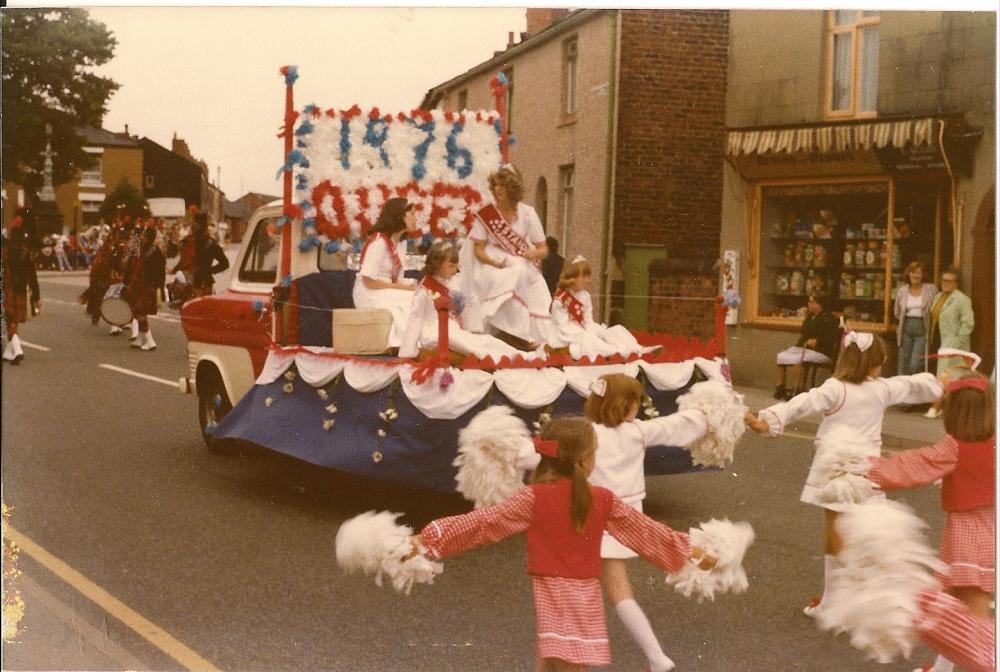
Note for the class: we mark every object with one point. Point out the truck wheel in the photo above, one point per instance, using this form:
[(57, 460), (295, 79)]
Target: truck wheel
[(213, 405)]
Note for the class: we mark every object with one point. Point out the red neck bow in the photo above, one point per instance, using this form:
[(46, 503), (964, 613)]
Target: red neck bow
[(546, 447)]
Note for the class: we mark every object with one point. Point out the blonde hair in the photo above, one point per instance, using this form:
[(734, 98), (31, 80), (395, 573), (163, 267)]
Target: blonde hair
[(968, 412), (508, 177), (912, 266), (854, 366), (621, 394), (577, 442), (439, 253), (571, 271)]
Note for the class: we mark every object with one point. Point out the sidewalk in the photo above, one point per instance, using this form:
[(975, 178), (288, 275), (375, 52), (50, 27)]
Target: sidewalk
[(900, 430)]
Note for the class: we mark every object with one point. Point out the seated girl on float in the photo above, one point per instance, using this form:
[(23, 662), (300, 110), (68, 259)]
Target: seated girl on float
[(435, 292), (380, 282), (573, 318)]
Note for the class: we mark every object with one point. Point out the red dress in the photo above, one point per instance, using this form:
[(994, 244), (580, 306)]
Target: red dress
[(968, 543), (569, 612)]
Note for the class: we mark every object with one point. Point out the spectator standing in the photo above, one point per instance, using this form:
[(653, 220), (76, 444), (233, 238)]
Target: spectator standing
[(912, 310), (16, 261), (552, 265), (61, 249), (951, 326)]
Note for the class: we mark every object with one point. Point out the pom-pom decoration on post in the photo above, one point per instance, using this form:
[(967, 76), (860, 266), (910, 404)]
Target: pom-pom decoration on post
[(724, 410), (375, 544), (884, 566), (726, 541), (493, 452)]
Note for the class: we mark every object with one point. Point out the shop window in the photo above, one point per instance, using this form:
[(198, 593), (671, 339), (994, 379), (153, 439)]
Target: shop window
[(569, 72), (835, 238), (852, 63)]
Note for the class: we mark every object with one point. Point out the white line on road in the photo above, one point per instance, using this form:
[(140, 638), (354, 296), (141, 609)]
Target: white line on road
[(151, 632), (35, 346), (144, 376), (60, 302)]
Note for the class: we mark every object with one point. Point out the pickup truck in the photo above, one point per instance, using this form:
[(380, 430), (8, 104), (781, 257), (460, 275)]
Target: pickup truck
[(283, 359)]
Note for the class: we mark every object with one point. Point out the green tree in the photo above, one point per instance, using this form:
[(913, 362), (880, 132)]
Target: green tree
[(124, 199), (48, 58)]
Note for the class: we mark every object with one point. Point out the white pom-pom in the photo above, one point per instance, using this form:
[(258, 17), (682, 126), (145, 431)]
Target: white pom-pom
[(883, 566), (726, 541), (841, 466), (488, 456), (375, 544), (724, 410)]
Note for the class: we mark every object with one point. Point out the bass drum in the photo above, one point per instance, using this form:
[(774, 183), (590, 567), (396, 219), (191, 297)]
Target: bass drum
[(115, 309)]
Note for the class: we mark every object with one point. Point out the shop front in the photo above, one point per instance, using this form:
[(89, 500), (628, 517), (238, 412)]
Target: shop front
[(839, 209)]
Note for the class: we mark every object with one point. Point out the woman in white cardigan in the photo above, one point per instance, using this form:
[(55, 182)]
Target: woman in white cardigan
[(912, 309)]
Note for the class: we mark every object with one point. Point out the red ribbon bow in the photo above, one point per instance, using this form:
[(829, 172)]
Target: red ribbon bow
[(546, 447), (971, 382)]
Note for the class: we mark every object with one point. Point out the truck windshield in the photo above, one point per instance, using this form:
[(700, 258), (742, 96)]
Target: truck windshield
[(261, 261)]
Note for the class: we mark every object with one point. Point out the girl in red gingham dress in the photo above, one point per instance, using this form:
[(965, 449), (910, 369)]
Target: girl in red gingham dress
[(965, 460), (563, 518)]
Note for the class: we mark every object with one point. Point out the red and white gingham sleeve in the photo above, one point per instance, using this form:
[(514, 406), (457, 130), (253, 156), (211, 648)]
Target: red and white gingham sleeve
[(452, 535), (946, 625), (912, 468), (657, 543)]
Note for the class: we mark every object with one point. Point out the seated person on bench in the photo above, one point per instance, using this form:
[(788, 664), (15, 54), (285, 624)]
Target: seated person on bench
[(434, 292), (817, 343), (380, 282)]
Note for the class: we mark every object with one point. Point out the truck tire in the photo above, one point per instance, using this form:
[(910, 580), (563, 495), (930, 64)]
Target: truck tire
[(213, 405)]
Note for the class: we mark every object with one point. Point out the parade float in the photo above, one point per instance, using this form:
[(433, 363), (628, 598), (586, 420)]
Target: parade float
[(283, 359)]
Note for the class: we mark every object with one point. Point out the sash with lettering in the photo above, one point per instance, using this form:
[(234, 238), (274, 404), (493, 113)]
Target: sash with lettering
[(504, 236), (444, 306), (397, 266), (573, 305)]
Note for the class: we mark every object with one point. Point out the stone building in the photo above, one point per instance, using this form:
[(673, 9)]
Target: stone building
[(619, 123), (858, 142)]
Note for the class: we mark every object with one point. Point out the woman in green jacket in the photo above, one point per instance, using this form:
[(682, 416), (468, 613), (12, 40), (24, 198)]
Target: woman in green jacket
[(951, 325)]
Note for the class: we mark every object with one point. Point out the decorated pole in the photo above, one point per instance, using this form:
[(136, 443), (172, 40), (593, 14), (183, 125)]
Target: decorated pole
[(499, 86), (291, 74)]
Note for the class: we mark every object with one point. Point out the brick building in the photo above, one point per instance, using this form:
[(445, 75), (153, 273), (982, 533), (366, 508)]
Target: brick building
[(117, 158), (858, 141), (620, 126)]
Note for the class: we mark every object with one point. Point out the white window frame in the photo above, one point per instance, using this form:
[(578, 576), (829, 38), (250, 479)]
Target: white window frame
[(570, 74), (566, 188), (862, 19), (94, 177)]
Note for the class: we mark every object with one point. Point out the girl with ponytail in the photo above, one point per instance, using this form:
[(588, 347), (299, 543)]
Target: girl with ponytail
[(563, 518)]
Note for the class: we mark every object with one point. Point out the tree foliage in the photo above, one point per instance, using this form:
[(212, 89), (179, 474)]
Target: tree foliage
[(48, 58), (124, 199)]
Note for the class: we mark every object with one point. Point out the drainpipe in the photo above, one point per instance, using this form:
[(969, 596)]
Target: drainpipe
[(611, 154), (956, 207)]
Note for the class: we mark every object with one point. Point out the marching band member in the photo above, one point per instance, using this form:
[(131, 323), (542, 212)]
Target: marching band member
[(507, 245), (144, 275)]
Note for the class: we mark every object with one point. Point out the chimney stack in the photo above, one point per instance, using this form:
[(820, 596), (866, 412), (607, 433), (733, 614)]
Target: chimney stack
[(510, 39), (540, 18)]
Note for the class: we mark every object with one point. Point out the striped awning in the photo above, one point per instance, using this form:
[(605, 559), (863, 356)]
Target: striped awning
[(833, 138)]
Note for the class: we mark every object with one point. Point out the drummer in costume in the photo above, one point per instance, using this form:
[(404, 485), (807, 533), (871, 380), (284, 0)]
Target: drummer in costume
[(380, 282), (201, 258), (144, 275), (16, 260), (508, 244), (105, 270)]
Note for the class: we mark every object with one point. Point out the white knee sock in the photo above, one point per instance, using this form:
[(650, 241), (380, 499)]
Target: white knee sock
[(135, 328), (942, 664), (637, 624), (829, 564)]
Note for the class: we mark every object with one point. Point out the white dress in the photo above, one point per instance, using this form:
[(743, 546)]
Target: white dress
[(514, 298), (377, 265), (849, 409), (422, 330), (621, 452), (589, 338)]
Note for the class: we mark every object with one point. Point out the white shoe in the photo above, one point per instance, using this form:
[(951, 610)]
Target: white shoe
[(8, 352), (16, 342), (115, 330), (813, 606), (933, 413), (147, 341)]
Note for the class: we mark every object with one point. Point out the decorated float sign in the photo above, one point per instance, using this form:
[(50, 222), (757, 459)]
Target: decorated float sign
[(348, 163)]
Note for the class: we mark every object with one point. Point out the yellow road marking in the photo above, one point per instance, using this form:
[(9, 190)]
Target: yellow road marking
[(144, 376), (145, 628)]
